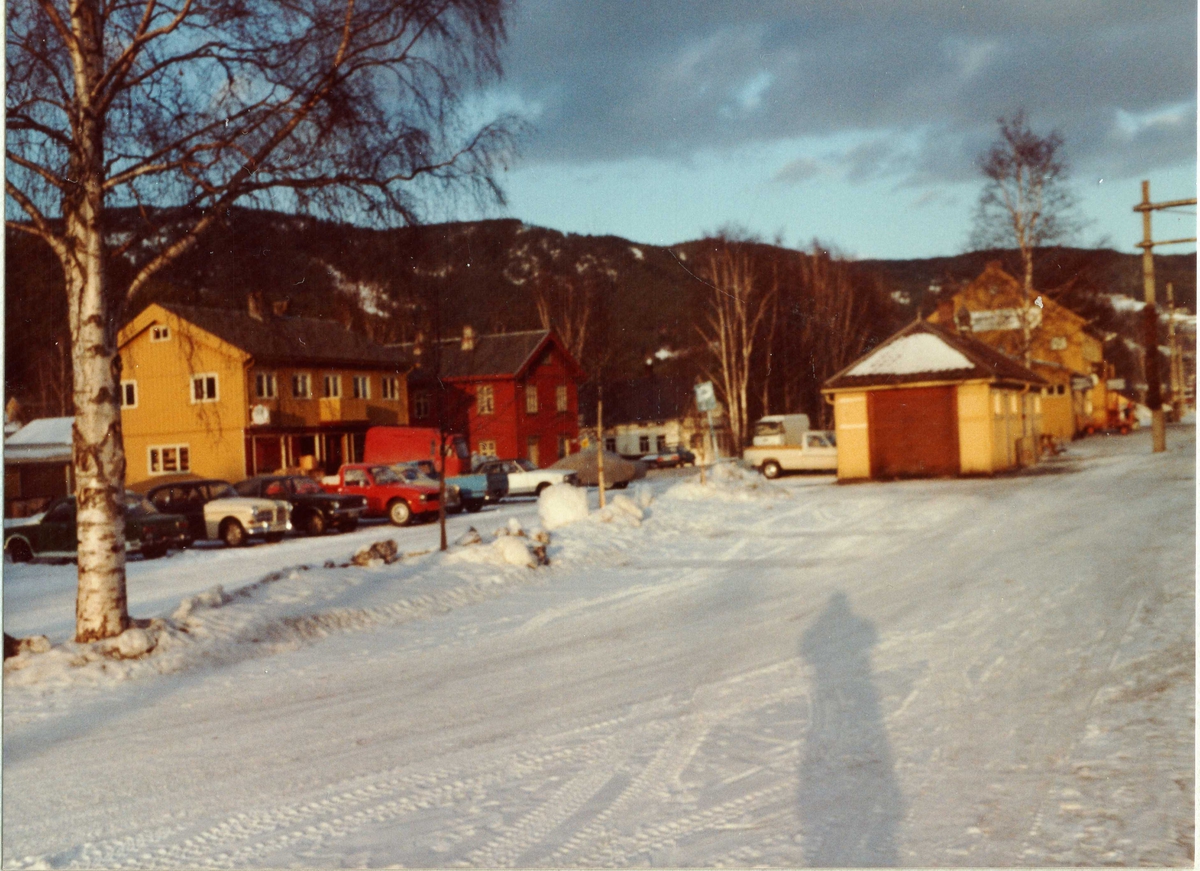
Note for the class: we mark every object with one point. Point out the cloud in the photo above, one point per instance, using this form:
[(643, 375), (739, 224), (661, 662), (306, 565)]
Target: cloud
[(799, 171), (663, 80)]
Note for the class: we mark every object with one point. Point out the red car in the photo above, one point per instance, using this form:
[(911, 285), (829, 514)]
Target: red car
[(387, 493)]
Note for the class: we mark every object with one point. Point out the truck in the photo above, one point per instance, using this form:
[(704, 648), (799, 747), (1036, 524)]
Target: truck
[(387, 493), (784, 443), (405, 444)]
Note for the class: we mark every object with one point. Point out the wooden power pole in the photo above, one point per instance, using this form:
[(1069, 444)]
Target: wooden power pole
[(1150, 313)]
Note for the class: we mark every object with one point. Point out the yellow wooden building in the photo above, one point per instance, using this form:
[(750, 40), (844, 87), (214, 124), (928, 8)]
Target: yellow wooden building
[(228, 394), (1063, 349), (929, 402)]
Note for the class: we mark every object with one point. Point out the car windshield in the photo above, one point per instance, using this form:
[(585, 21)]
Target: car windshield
[(527, 465), (384, 475), (427, 469), (222, 491), (306, 486), (137, 504), (768, 427)]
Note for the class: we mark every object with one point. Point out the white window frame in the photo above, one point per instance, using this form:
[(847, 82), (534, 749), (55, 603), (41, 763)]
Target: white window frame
[(485, 399), (331, 385), (156, 459), (643, 444), (160, 333), (561, 399), (531, 399), (202, 379), (390, 388), (128, 387), (265, 386), (301, 379), (610, 444), (362, 386), (487, 448)]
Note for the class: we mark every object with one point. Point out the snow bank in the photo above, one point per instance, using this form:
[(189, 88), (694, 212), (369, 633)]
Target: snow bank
[(727, 482), (562, 504)]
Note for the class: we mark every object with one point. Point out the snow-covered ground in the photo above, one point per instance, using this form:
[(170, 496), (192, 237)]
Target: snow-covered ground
[(955, 672)]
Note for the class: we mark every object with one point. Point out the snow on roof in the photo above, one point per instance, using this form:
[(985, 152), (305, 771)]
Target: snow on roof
[(919, 352), (44, 431)]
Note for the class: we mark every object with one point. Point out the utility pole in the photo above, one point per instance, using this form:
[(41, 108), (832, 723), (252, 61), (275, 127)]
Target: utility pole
[(1176, 377), (1150, 313)]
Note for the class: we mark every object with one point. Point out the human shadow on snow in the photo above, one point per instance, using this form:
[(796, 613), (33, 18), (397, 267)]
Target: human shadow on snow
[(849, 803)]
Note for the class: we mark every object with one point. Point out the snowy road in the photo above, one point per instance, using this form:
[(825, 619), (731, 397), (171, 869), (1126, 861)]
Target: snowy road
[(981, 672)]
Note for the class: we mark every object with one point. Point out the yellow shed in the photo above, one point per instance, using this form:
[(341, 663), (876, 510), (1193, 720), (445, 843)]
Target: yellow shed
[(931, 403), (228, 394)]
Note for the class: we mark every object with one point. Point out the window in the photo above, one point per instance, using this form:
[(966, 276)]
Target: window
[(1012, 402), (160, 333), (644, 444), (562, 446), (165, 459), (128, 394), (531, 399), (301, 388), (560, 397), (333, 386), (487, 448), (485, 402), (1058, 343), (531, 451), (362, 387), (389, 388), (660, 444), (264, 385), (204, 388), (421, 405), (610, 445)]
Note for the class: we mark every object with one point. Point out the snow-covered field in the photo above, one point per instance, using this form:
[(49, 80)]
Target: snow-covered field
[(957, 672)]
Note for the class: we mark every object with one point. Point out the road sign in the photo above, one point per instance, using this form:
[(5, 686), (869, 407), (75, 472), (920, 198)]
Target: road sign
[(706, 397)]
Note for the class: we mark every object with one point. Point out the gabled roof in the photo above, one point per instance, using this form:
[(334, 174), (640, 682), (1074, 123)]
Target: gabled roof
[(495, 355), (923, 352), (289, 340), (640, 400), (47, 439)]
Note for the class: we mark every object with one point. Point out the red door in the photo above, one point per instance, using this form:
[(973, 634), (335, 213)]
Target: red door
[(913, 432)]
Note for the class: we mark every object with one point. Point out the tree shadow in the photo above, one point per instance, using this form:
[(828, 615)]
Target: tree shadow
[(849, 802)]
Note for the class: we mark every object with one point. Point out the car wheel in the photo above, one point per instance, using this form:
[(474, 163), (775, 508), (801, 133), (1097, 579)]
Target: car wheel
[(473, 505), (540, 487), (399, 512), (274, 537), (348, 525), (232, 533), (315, 525), (771, 469), (18, 550), (154, 551)]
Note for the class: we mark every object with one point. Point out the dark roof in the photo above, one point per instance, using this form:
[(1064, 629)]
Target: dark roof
[(983, 362), (495, 354), (275, 339), (650, 399)]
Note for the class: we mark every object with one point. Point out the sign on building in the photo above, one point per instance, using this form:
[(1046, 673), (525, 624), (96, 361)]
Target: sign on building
[(1003, 319)]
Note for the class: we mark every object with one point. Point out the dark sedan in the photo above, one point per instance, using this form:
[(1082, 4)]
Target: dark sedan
[(148, 531), (313, 510)]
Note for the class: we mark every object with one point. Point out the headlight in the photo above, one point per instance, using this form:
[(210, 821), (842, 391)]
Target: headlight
[(429, 497), (335, 505), (264, 515)]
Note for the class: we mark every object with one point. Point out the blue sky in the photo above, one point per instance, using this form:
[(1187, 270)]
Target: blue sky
[(858, 123)]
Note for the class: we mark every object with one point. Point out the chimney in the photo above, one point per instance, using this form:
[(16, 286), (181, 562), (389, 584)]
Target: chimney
[(468, 338), (279, 307), (418, 347), (254, 304)]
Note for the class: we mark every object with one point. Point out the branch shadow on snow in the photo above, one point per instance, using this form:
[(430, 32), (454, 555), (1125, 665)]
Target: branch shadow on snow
[(849, 802)]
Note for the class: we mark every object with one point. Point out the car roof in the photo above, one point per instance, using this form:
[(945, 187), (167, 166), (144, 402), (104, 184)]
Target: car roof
[(159, 483)]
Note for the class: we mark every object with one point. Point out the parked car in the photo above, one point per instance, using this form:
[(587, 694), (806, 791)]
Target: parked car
[(214, 510), (53, 536), (421, 473), (526, 479), (814, 450), (313, 510), (402, 444), (670, 459), (618, 471), (387, 494)]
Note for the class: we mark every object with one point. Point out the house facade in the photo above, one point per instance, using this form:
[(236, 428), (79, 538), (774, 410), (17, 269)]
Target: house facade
[(930, 402), (1063, 350), (228, 394), (38, 465), (513, 395), (653, 414)]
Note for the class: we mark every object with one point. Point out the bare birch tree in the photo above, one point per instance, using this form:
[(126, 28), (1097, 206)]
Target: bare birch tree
[(320, 105), (1025, 201), (738, 305)]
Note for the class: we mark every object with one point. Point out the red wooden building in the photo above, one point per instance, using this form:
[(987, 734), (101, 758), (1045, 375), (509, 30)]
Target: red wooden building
[(514, 395)]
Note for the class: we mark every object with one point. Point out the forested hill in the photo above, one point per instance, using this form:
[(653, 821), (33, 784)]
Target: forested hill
[(488, 274)]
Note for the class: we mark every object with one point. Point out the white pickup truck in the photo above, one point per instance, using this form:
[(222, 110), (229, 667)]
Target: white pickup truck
[(784, 443)]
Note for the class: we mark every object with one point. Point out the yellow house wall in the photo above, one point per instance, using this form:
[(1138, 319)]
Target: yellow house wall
[(1058, 415), (165, 414), (976, 451), (850, 424), (290, 410)]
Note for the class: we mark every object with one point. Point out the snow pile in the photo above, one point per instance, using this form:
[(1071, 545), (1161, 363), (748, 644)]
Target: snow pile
[(512, 547), (620, 509), (562, 504), (728, 482)]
